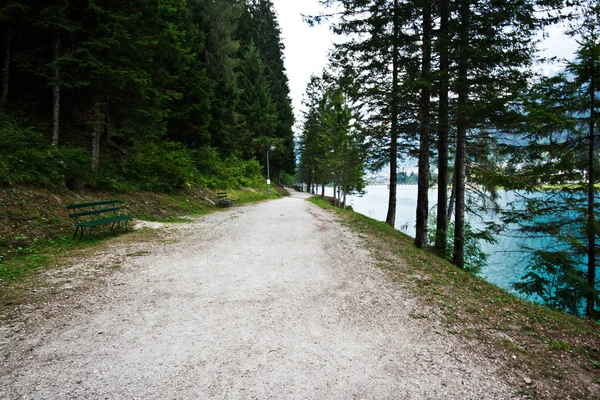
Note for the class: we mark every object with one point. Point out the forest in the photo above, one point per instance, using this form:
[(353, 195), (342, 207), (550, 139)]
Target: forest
[(152, 95), (457, 86)]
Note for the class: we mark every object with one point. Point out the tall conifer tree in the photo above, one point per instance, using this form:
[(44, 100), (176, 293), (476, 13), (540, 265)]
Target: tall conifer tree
[(258, 25), (381, 60), (559, 147)]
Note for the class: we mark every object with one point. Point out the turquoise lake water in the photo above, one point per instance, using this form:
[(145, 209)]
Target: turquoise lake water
[(506, 263)]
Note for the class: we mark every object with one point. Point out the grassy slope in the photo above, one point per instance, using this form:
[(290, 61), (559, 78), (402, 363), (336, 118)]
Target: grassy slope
[(558, 352)]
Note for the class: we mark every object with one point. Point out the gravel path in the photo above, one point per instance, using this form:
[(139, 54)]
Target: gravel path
[(273, 300)]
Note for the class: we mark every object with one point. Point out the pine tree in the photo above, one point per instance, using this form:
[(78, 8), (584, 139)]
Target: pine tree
[(55, 21), (191, 118), (207, 112), (559, 147), (424, 123), (495, 46), (258, 26), (442, 47), (257, 113), (331, 144), (382, 63), (311, 150), (344, 156), (130, 79)]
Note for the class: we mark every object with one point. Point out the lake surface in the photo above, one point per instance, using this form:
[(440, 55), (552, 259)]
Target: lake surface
[(506, 262)]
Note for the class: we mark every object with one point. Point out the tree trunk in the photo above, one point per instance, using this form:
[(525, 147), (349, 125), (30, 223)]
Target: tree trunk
[(323, 190), (391, 214), (96, 133), (590, 307), (461, 137), (6, 68), (334, 189), (423, 179), (442, 200), (56, 94), (451, 201)]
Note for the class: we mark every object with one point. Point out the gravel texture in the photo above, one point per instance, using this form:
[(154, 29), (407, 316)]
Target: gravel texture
[(274, 300)]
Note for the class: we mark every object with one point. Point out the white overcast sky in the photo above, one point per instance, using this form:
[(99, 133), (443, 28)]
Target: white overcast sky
[(306, 48)]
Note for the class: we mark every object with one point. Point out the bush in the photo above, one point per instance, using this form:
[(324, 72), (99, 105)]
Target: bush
[(231, 172), (286, 179), (475, 258), (26, 157), (76, 167), (163, 168)]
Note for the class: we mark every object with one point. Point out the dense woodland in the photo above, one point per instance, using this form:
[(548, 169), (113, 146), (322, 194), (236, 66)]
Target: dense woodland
[(154, 95), (453, 84)]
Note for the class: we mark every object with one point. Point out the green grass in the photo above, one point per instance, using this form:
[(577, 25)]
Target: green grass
[(17, 268), (252, 195), (322, 203), (38, 255)]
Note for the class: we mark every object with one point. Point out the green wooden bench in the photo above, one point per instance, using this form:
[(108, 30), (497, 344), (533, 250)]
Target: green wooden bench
[(86, 216), (223, 200)]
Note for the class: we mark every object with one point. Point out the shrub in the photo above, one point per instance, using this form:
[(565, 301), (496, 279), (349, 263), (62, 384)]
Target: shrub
[(475, 258), (163, 168), (286, 179), (26, 157), (76, 167), (231, 172)]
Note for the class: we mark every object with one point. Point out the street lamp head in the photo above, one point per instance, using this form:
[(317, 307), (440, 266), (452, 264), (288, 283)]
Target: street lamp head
[(271, 148)]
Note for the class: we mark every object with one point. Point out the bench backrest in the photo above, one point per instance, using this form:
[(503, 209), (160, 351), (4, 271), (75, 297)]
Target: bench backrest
[(93, 208), (94, 204)]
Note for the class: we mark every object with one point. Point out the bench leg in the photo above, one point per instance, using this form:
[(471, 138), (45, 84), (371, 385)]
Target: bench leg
[(76, 230)]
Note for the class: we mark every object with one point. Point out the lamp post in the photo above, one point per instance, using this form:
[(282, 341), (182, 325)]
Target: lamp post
[(269, 173)]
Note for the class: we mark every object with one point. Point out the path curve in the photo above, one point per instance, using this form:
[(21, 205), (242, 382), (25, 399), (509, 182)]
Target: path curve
[(269, 301)]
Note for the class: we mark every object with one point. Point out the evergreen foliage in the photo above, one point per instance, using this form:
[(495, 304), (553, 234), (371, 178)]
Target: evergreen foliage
[(144, 89), (331, 145), (379, 61), (259, 29), (27, 158), (402, 55), (257, 112), (559, 147)]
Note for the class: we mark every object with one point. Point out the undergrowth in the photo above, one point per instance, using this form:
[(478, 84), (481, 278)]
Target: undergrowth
[(28, 158)]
